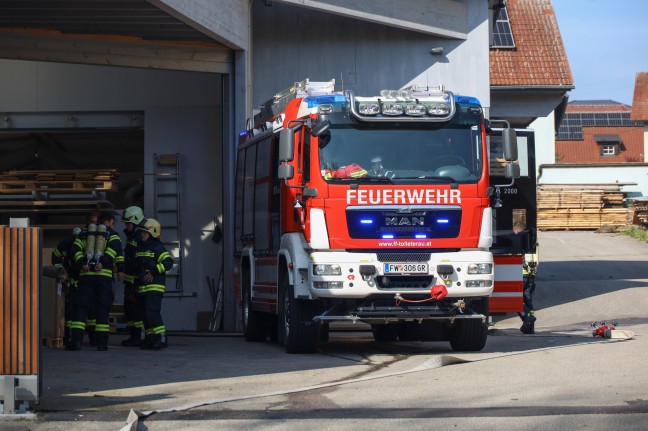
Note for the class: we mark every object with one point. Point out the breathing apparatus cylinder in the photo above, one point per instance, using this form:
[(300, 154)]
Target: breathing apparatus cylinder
[(90, 242), (100, 242)]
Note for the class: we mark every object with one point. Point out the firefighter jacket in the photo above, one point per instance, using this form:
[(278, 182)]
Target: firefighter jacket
[(130, 250), (152, 256), (112, 257), (350, 171), (62, 257)]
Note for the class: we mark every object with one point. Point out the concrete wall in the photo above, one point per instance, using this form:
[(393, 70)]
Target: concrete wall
[(195, 134), (545, 141), (182, 113), (291, 43), (635, 173)]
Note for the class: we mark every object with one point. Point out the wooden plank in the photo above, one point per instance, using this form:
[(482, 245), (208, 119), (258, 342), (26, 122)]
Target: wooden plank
[(20, 263)]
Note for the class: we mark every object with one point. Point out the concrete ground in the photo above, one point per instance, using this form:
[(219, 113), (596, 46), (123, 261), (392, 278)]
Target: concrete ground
[(559, 378)]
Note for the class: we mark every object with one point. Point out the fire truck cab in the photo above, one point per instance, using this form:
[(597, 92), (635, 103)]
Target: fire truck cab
[(373, 209)]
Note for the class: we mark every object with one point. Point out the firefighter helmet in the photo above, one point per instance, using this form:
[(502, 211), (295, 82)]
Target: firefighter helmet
[(133, 215), (151, 226)]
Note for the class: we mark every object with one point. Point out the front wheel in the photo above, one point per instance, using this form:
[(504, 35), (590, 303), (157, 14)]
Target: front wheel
[(469, 335), (299, 333)]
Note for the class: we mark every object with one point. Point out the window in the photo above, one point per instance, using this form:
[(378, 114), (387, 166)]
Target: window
[(608, 150), (502, 34)]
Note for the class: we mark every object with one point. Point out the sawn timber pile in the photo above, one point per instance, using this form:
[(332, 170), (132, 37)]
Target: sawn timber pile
[(580, 207)]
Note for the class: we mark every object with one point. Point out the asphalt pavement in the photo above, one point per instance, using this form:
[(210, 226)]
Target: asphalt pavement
[(561, 377)]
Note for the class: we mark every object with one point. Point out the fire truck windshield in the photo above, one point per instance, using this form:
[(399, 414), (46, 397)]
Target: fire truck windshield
[(401, 153)]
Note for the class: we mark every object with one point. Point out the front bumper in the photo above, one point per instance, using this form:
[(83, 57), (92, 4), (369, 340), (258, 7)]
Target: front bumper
[(353, 281)]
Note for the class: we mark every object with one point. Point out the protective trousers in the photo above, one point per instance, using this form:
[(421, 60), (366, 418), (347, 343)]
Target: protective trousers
[(529, 288), (155, 329), (94, 294), (133, 313), (70, 291)]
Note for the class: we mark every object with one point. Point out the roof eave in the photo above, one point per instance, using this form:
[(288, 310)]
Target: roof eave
[(566, 87)]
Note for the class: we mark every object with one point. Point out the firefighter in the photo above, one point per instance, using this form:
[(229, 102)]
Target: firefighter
[(91, 322), (97, 251), (132, 218), (153, 262), (62, 258), (520, 244)]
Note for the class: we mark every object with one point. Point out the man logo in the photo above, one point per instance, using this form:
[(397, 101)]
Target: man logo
[(404, 221)]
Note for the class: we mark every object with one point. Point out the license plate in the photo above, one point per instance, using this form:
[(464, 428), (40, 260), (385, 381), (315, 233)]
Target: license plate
[(406, 268)]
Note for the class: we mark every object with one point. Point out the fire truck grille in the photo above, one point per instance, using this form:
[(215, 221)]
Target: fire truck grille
[(418, 223), (404, 257), (405, 282)]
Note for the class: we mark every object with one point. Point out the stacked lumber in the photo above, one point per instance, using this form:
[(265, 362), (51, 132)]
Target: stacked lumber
[(68, 181), (640, 212), (580, 207)]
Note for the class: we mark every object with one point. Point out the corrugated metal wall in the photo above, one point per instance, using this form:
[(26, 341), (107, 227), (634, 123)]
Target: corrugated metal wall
[(20, 272)]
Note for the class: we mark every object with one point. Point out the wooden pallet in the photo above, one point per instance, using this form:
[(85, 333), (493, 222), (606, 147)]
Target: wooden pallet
[(71, 181), (53, 342)]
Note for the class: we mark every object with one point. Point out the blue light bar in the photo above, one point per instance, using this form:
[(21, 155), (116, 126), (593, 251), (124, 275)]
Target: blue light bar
[(366, 221), (388, 236), (466, 99), (337, 100), (420, 236), (443, 221)]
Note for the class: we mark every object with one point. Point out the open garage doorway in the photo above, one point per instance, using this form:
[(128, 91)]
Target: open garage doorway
[(54, 177)]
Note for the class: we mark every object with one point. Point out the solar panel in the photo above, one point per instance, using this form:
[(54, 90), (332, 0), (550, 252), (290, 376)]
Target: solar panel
[(502, 34), (571, 126)]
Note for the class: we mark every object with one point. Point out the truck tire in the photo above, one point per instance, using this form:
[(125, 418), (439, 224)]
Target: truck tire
[(253, 321), (469, 335), (385, 333), (299, 333), (409, 331)]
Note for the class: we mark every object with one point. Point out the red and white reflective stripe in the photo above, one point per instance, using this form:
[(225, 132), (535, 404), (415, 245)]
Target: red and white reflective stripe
[(507, 292)]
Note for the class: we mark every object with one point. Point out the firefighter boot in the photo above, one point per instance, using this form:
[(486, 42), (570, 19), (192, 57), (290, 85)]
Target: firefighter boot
[(76, 335), (91, 337), (101, 340), (135, 339), (528, 327), (147, 342), (159, 341)]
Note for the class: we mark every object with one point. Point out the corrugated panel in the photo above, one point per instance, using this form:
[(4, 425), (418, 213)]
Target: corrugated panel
[(20, 271)]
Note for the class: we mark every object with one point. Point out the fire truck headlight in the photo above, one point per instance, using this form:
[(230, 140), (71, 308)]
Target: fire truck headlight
[(369, 108), (415, 110), (392, 109), (321, 269), (439, 109), (327, 284), (478, 283), (480, 268)]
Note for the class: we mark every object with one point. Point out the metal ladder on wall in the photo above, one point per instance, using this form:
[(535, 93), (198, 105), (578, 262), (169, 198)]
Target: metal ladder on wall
[(167, 211)]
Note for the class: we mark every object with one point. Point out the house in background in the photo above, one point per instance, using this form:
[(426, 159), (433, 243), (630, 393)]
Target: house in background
[(529, 71), (603, 142), (599, 131)]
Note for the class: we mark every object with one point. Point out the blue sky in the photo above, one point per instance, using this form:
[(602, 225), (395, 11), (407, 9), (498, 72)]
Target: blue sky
[(606, 43)]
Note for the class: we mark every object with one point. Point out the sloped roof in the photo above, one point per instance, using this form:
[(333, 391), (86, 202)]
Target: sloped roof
[(596, 106), (640, 98), (539, 56), (588, 151)]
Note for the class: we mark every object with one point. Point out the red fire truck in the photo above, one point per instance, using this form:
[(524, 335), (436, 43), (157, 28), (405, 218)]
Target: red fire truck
[(374, 209)]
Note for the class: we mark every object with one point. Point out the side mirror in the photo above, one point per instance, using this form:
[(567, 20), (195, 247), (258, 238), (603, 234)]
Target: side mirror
[(286, 145), (509, 139), (320, 128), (512, 170), (285, 172)]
